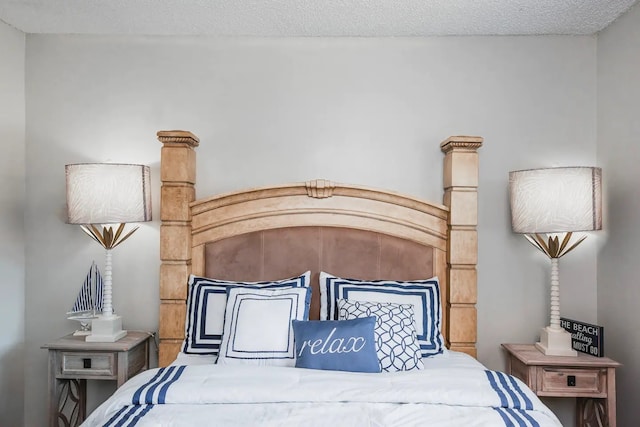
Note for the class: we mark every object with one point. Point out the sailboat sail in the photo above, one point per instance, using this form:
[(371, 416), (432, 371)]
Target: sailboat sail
[(98, 299), (89, 299)]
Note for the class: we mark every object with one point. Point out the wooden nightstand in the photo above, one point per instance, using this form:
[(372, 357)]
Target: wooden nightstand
[(592, 380), (72, 361)]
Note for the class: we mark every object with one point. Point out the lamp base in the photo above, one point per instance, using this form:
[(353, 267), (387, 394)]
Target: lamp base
[(555, 342), (106, 329)]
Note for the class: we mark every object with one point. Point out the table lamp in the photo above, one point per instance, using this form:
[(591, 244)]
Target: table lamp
[(555, 202), (99, 194)]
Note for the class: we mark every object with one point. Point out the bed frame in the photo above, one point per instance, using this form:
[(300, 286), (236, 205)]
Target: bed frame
[(351, 231)]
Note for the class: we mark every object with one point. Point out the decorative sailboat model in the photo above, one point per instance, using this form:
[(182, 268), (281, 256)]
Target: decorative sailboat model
[(88, 302)]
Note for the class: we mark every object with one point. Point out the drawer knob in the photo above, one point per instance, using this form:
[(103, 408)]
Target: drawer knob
[(87, 364), (571, 380)]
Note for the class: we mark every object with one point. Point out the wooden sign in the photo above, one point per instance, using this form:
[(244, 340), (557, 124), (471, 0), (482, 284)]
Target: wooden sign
[(585, 338)]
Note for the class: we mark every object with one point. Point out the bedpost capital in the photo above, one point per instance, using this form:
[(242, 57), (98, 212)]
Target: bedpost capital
[(178, 137), (461, 143)]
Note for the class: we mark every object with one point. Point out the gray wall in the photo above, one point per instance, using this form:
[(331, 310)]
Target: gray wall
[(619, 153), (366, 111), (12, 238)]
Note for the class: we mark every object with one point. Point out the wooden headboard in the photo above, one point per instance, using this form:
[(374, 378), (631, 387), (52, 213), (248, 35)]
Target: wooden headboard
[(281, 231)]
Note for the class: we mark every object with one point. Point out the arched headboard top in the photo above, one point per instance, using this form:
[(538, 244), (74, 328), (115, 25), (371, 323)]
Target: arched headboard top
[(319, 189), (319, 203)]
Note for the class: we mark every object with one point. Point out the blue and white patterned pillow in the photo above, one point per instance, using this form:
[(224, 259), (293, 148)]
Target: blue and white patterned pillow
[(337, 345), (424, 295), (257, 325), (395, 332), (206, 302)]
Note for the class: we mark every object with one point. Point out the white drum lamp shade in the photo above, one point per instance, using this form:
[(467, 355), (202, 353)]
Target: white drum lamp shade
[(556, 202), (108, 193)]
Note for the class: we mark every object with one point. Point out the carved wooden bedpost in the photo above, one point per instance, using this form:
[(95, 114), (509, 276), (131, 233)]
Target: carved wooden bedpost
[(461, 196), (178, 174)]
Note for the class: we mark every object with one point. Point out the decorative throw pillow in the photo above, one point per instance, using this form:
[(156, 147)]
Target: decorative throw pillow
[(206, 302), (346, 345), (395, 332), (257, 325), (424, 295)]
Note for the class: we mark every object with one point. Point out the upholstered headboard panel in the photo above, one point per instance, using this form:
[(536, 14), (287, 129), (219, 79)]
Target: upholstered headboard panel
[(287, 252)]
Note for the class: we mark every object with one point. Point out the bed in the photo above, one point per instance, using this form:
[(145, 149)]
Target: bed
[(377, 291)]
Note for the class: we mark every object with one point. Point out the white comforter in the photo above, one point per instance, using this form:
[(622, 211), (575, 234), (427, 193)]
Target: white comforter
[(215, 395)]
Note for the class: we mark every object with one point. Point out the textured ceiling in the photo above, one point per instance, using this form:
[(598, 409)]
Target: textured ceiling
[(275, 18)]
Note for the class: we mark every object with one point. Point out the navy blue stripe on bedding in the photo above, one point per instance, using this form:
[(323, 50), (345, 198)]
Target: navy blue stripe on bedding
[(494, 385), (143, 398), (505, 386), (505, 418), (509, 391), (161, 381), (527, 402), (129, 416), (167, 384), (115, 417), (136, 396), (136, 416), (529, 418), (513, 400), (516, 418), (148, 396)]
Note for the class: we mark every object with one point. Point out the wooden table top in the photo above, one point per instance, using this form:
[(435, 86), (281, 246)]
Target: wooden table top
[(71, 342), (530, 355)]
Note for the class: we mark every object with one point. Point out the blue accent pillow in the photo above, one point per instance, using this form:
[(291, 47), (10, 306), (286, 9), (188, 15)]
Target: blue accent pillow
[(338, 345), (206, 302), (424, 295)]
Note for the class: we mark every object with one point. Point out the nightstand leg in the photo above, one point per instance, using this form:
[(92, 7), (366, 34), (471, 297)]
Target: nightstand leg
[(82, 402), (611, 396), (54, 386), (592, 413), (70, 403), (599, 412)]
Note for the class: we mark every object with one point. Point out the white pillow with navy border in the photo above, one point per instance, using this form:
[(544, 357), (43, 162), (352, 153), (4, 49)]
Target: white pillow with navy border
[(206, 302), (424, 295), (257, 325)]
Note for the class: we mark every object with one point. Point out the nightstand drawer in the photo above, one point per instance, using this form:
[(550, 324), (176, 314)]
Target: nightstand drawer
[(94, 364), (583, 382)]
